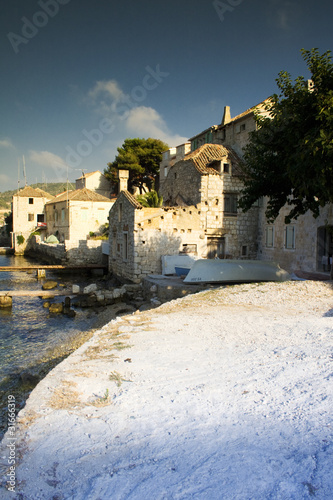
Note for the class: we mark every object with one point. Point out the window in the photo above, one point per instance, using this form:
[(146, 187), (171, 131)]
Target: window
[(230, 203), (62, 215), (269, 236), (125, 246), (189, 248), (31, 201), (244, 251), (30, 217), (290, 237), (165, 171), (226, 168), (242, 127)]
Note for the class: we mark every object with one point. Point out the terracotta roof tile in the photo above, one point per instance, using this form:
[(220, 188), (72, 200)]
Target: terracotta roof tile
[(207, 153)]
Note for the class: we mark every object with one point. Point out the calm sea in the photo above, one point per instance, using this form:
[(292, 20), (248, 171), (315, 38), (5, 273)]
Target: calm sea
[(29, 335)]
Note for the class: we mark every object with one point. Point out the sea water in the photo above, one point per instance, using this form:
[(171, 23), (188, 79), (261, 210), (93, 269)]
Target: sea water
[(29, 335)]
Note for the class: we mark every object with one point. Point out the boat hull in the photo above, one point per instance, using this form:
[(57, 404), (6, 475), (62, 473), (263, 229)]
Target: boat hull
[(235, 271)]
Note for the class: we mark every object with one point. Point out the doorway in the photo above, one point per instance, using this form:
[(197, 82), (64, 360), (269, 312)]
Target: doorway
[(215, 248)]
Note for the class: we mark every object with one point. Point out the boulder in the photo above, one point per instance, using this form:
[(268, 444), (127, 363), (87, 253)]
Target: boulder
[(6, 301), (49, 285), (75, 289), (90, 288), (57, 307)]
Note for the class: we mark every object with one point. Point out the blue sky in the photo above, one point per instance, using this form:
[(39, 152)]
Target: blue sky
[(79, 76)]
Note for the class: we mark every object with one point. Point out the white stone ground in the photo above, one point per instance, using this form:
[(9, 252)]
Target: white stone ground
[(225, 394)]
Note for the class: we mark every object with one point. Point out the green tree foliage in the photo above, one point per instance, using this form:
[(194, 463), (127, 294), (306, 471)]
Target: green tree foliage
[(289, 157), (142, 157), (150, 199)]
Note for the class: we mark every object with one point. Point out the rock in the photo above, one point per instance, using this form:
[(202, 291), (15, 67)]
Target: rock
[(28, 379), (57, 307), (90, 288), (153, 288), (48, 296), (71, 313), (117, 293), (75, 289), (49, 285), (46, 304), (155, 302), (5, 301)]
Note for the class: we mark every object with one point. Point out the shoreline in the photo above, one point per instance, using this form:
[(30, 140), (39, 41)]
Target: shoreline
[(128, 384)]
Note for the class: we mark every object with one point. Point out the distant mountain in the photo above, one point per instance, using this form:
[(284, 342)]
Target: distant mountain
[(53, 188)]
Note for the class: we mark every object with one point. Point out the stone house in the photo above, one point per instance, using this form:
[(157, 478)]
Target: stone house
[(210, 178), (28, 208), (95, 181), (140, 236), (73, 215)]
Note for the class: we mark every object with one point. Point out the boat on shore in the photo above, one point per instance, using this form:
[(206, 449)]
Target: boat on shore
[(235, 271)]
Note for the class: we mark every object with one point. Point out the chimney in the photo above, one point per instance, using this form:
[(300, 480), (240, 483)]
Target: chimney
[(226, 115), (123, 176)]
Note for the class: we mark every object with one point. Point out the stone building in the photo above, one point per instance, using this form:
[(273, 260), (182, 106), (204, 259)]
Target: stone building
[(28, 208), (95, 181), (210, 178), (199, 217), (73, 215), (140, 236)]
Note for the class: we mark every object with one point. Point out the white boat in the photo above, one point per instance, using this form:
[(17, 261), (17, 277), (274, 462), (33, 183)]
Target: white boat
[(235, 271)]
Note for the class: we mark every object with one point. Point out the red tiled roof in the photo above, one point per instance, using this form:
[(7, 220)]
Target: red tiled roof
[(207, 153)]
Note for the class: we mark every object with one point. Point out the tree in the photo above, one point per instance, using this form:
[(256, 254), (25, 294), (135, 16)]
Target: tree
[(142, 157), (289, 157), (151, 199)]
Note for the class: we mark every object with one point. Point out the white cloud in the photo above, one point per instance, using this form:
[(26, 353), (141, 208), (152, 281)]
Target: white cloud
[(110, 88), (46, 159), (147, 122), (133, 119), (6, 143)]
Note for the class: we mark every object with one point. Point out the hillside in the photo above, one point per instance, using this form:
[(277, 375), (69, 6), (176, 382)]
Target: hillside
[(53, 188)]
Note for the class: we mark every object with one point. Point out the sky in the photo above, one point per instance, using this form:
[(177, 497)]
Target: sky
[(78, 77)]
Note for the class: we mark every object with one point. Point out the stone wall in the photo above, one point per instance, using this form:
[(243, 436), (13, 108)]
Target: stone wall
[(71, 252), (182, 185)]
